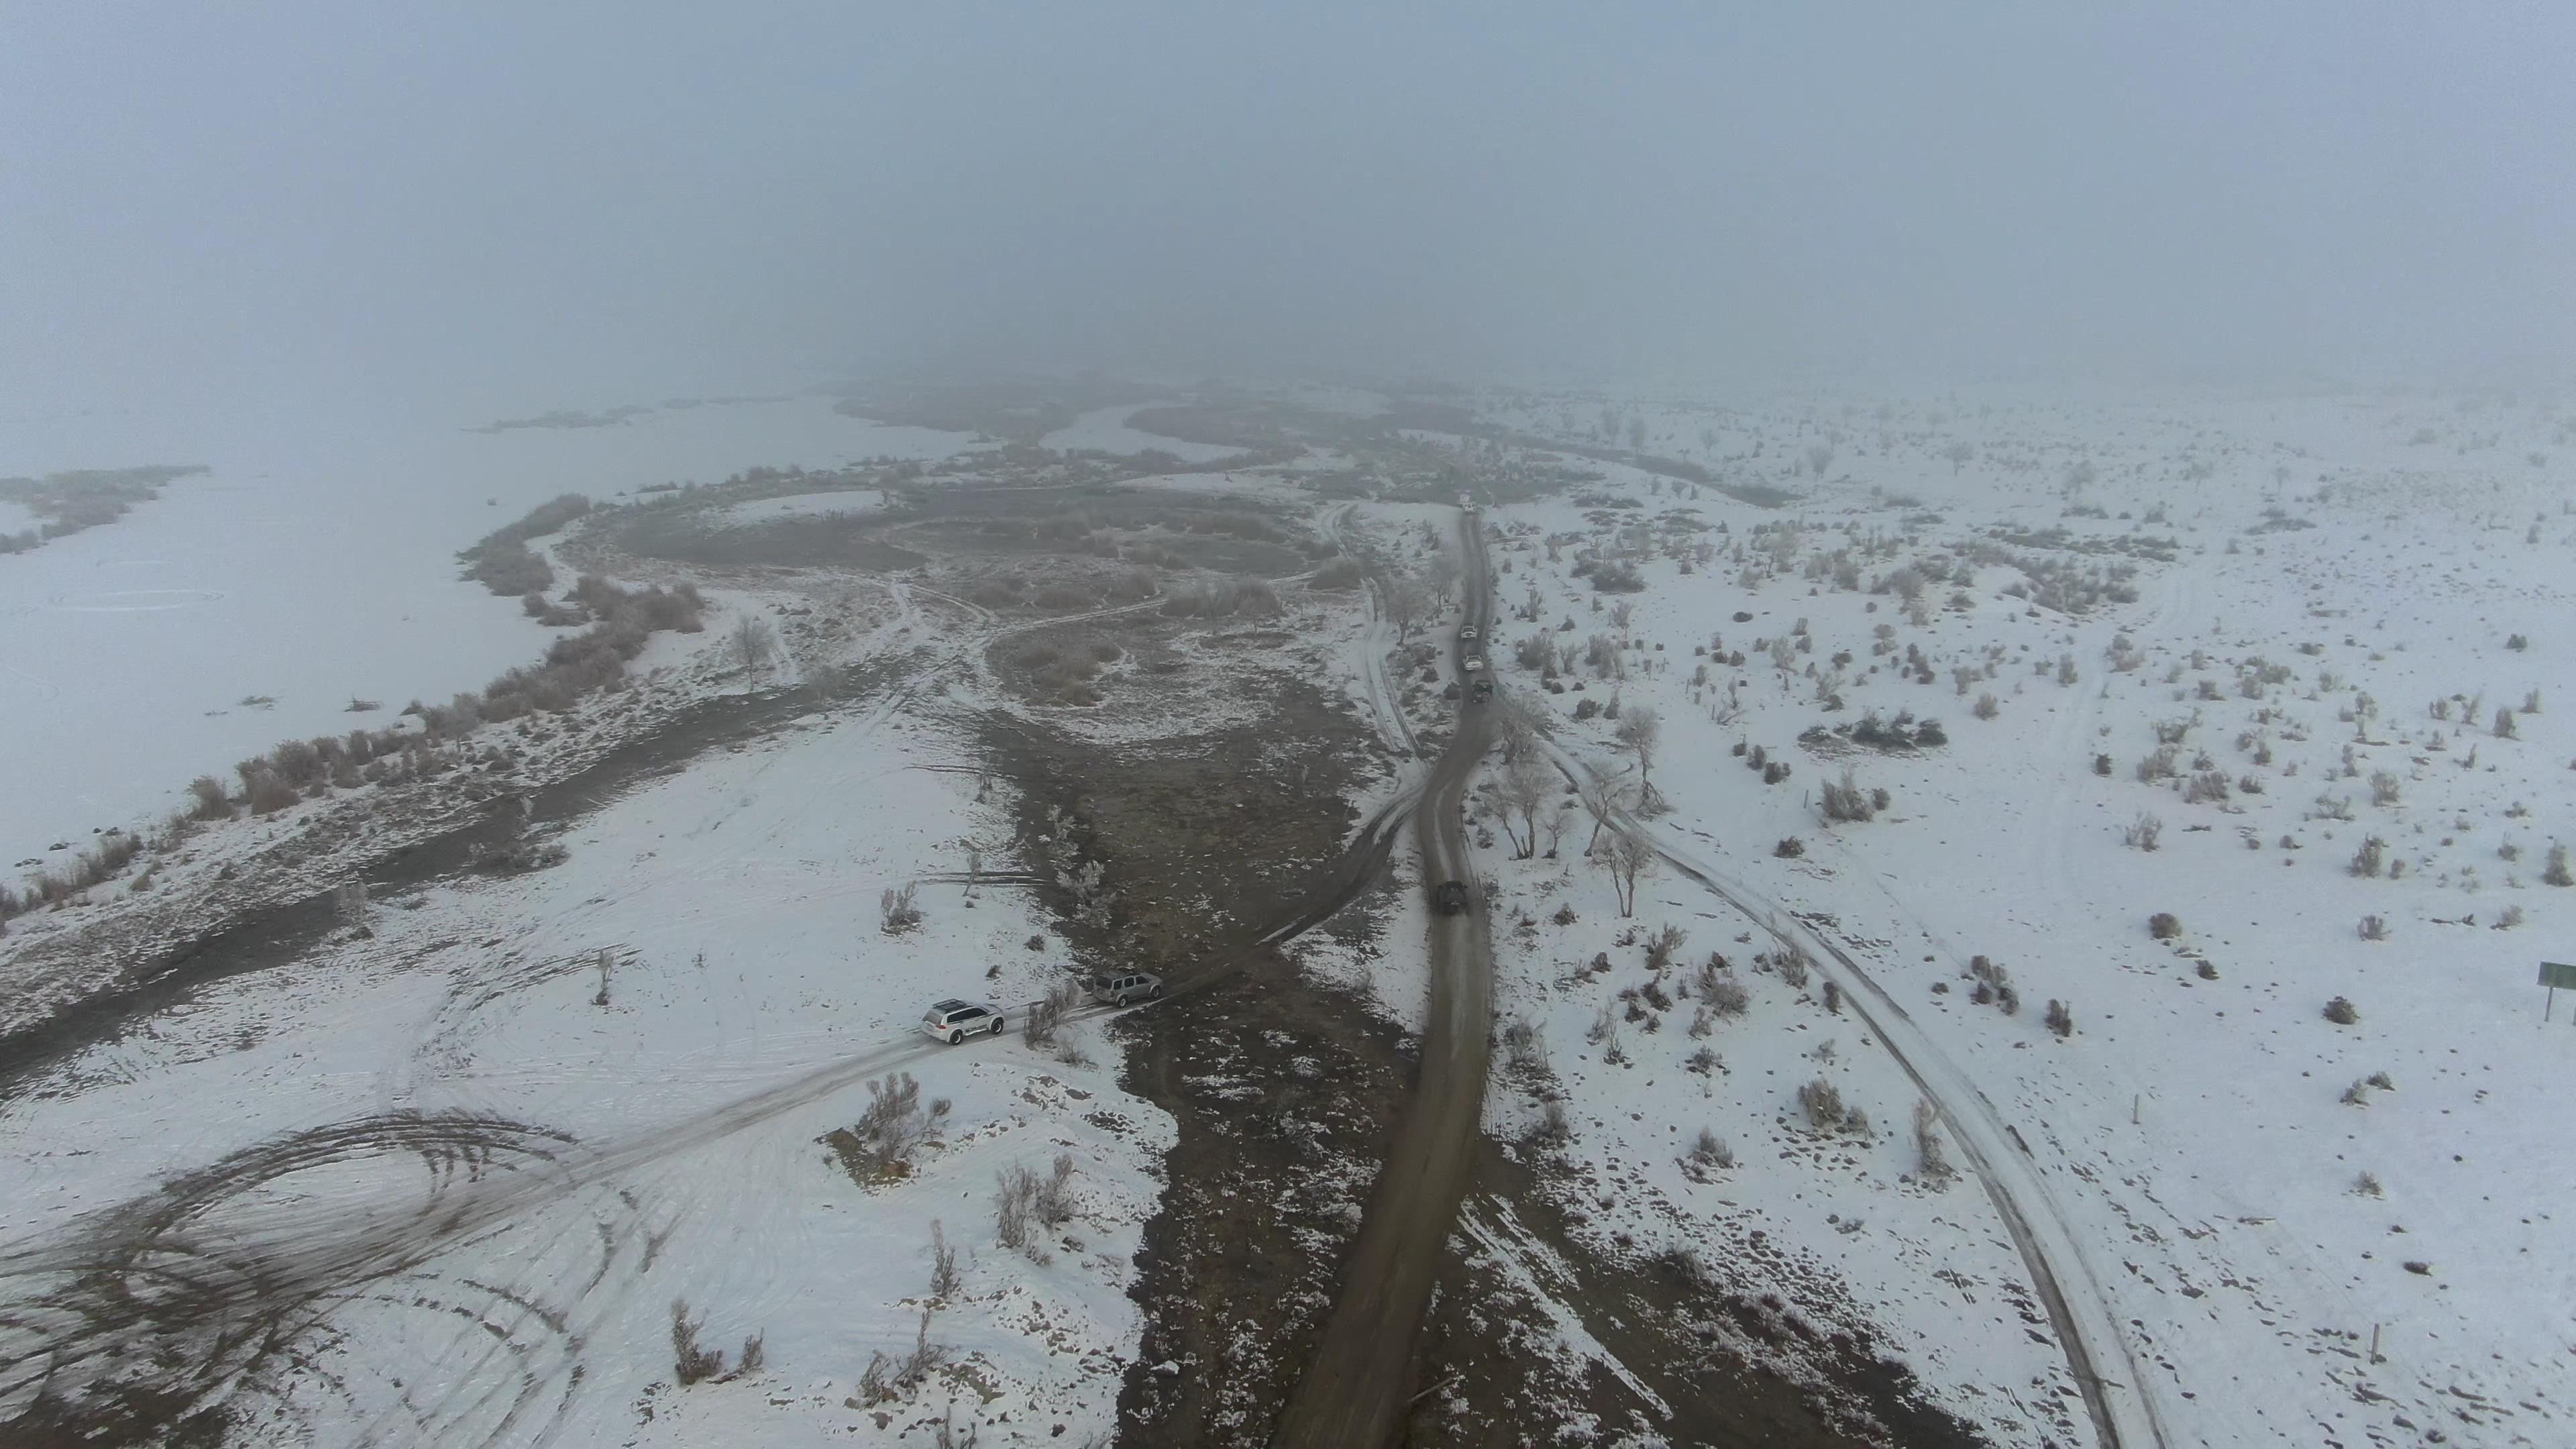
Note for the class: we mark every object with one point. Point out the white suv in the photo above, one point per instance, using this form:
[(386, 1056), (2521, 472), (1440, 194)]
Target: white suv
[(954, 1021)]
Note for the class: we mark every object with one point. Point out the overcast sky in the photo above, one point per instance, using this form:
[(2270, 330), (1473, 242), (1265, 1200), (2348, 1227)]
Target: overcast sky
[(520, 207)]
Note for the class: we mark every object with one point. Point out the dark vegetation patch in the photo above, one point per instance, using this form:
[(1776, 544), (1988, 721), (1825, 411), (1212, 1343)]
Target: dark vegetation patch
[(1190, 886), (505, 564), (83, 498)]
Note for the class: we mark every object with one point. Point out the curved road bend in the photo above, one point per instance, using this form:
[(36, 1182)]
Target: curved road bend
[(1353, 1393)]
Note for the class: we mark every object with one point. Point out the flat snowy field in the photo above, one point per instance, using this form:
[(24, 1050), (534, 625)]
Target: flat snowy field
[(2281, 629), (2242, 1208), (302, 573)]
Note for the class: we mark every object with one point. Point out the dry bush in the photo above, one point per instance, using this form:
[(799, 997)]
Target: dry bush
[(887, 1378), (1014, 1197), (2370, 859), (1661, 946), (1049, 1013), (944, 1278), (1552, 1127), (2556, 872), (898, 911), (2164, 925), (1987, 707), (1844, 800), (892, 1128), (1708, 1154), (1791, 962), (2060, 1018), (691, 1363), (2142, 833), (1935, 1163), (211, 801), (2383, 788), (1053, 1201), (2373, 928), (1524, 1047), (1823, 1104), (2342, 1012)]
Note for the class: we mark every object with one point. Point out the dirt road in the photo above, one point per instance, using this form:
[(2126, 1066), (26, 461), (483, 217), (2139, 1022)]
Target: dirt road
[(1354, 1392)]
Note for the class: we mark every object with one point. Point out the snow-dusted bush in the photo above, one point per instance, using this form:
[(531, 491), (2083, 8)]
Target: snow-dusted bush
[(1822, 1101), (898, 910), (2164, 925), (2342, 1012)]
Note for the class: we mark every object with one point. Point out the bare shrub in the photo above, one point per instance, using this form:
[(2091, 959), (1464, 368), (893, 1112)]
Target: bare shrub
[(2556, 872), (898, 910), (944, 1278), (2366, 1184), (1524, 1047), (2504, 728), (2164, 925), (2373, 928), (1661, 946), (1014, 1202), (2384, 788), (1935, 1162), (1049, 1013), (2060, 1018), (691, 1363), (894, 1127), (1725, 996), (2371, 859), (1791, 961), (887, 1378), (1708, 1154), (1845, 800), (2357, 1095), (2142, 833), (1053, 1201), (211, 801), (2342, 1012), (1986, 707), (1552, 1129), (1823, 1104)]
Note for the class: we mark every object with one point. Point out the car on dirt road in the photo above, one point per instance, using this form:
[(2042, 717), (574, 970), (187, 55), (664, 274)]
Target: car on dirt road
[(1484, 689), (1467, 632), (1120, 990), (1475, 664), (1451, 897), (953, 1021)]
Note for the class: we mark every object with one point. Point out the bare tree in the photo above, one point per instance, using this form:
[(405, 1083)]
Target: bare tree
[(1526, 785), (752, 642), (1640, 730), (1440, 575), (1400, 599), (1627, 859), (1958, 454)]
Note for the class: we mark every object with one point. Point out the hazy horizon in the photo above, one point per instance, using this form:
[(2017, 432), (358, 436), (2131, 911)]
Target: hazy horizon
[(488, 212)]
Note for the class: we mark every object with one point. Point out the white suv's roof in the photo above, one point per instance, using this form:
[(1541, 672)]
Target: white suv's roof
[(952, 1004)]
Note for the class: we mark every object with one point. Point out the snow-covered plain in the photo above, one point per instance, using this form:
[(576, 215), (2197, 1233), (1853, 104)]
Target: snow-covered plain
[(2202, 1137), (2255, 1242), (254, 603)]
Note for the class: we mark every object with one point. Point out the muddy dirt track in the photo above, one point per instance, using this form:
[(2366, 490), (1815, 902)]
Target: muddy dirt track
[(1355, 1390)]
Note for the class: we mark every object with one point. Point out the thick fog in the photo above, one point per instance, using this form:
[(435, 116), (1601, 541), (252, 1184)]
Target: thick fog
[(522, 207)]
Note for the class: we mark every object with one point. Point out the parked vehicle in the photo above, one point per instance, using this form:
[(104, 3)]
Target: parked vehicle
[(1484, 689), (1468, 633), (1475, 664), (953, 1021), (1451, 897), (1120, 990)]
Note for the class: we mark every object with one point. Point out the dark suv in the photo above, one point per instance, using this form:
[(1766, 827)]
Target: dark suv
[(1451, 897)]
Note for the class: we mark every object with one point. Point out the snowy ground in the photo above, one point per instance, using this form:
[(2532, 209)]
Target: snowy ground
[(2193, 1134), (738, 906)]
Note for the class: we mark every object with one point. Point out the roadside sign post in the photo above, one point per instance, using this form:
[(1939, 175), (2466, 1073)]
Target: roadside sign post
[(2555, 974)]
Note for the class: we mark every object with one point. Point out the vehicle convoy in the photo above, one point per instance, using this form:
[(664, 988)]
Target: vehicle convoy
[(953, 1021), (1122, 989), (1451, 897)]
